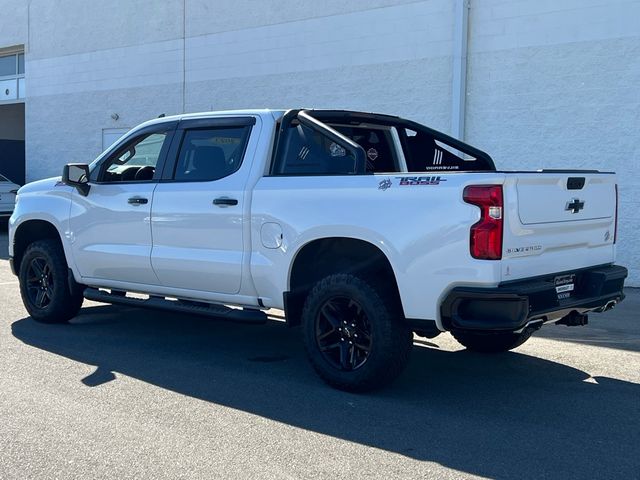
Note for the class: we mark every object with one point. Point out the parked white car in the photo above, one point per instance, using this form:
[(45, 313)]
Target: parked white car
[(364, 228), (8, 191)]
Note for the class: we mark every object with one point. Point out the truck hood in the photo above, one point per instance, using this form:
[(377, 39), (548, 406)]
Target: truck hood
[(45, 185)]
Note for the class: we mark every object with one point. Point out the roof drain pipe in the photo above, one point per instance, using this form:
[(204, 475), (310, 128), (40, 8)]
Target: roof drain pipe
[(459, 81)]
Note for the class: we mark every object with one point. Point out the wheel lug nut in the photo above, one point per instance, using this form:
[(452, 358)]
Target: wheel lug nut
[(350, 343), (342, 339)]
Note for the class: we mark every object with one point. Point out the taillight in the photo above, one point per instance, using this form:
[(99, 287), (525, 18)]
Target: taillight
[(486, 235), (615, 231)]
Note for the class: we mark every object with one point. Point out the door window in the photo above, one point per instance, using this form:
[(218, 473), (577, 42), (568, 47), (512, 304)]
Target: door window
[(211, 153), (136, 161)]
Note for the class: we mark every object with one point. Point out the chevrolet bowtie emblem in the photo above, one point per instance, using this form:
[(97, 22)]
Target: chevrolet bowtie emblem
[(574, 206)]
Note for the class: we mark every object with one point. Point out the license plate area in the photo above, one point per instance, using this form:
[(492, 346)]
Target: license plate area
[(565, 285)]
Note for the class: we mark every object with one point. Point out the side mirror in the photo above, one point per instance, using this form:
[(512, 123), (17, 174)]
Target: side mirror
[(77, 175)]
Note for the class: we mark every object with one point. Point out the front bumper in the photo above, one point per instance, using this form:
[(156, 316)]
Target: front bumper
[(511, 305)]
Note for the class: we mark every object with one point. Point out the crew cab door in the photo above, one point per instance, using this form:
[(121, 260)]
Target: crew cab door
[(200, 207), (111, 226)]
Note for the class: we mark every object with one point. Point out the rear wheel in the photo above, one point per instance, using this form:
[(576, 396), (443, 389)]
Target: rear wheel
[(355, 339), (44, 284), (492, 342)]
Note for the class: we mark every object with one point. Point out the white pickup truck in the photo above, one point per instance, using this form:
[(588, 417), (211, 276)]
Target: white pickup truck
[(364, 228)]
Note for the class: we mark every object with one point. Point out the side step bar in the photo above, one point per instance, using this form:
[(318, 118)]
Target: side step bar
[(184, 306)]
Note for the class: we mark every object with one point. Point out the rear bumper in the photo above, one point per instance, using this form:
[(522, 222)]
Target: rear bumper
[(511, 305)]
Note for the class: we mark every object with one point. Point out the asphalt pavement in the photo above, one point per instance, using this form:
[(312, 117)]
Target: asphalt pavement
[(128, 393)]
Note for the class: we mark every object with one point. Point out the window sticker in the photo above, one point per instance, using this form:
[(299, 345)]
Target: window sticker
[(336, 150)]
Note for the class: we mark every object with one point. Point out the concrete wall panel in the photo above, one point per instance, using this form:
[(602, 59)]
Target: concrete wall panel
[(74, 26), (13, 23)]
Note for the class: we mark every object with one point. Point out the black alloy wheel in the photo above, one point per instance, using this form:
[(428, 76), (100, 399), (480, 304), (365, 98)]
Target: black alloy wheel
[(343, 333), (40, 282), (355, 337)]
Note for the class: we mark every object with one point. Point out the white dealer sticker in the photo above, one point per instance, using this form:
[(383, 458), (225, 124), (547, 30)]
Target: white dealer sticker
[(565, 288)]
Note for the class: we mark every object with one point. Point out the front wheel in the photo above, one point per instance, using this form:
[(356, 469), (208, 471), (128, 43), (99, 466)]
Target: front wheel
[(492, 342), (44, 284), (355, 339)]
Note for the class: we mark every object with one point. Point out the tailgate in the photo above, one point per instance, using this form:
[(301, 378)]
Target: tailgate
[(547, 198), (557, 222)]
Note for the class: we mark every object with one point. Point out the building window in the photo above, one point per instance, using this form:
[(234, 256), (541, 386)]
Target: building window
[(12, 77)]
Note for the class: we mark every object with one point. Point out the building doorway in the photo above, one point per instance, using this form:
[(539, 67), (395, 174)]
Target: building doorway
[(12, 152)]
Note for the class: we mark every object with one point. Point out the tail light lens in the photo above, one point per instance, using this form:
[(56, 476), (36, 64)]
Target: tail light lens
[(615, 231), (486, 235)]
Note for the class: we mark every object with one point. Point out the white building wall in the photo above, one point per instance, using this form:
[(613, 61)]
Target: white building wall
[(550, 84)]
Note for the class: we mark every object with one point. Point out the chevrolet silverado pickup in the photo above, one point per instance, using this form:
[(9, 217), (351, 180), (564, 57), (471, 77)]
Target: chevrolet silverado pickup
[(364, 228)]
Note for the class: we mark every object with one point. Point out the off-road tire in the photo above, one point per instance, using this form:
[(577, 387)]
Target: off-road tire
[(390, 340), (61, 303), (492, 342)]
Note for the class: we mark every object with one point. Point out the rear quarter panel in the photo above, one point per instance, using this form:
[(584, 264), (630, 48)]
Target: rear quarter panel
[(422, 229)]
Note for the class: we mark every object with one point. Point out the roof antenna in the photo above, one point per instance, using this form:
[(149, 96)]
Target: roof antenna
[(162, 115)]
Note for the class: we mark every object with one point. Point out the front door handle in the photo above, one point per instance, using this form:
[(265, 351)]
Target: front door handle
[(225, 201), (138, 201)]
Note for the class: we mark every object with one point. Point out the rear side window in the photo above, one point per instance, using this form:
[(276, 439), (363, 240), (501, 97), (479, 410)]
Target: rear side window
[(424, 153), (308, 152), (211, 153)]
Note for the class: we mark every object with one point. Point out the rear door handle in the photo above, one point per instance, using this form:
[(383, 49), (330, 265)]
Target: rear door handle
[(225, 201), (138, 201)]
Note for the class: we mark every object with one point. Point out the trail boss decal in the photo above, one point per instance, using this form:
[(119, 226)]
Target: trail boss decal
[(411, 181)]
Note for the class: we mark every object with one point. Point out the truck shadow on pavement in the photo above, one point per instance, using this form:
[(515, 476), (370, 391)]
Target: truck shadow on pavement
[(502, 416)]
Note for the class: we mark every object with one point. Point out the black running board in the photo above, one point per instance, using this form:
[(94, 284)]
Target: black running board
[(184, 306)]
